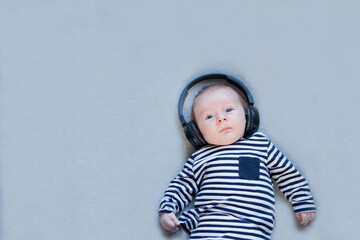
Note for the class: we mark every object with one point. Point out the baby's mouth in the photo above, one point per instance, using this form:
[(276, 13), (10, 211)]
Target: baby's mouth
[(225, 129)]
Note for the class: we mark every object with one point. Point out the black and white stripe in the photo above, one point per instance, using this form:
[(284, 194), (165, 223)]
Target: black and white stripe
[(227, 205)]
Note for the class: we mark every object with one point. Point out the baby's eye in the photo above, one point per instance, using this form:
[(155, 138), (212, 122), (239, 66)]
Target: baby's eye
[(229, 110), (209, 116)]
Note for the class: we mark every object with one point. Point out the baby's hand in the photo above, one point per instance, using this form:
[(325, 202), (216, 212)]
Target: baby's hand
[(305, 217), (169, 221)]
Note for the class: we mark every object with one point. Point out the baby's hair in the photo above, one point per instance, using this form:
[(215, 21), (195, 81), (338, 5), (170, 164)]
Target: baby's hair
[(242, 96)]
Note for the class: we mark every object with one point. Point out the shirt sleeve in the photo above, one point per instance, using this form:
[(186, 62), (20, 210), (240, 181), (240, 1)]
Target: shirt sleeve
[(181, 190), (289, 180)]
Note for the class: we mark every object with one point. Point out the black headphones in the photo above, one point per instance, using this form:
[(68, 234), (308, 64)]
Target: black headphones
[(192, 132)]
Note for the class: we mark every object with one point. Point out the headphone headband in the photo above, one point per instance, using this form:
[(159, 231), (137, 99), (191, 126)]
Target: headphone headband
[(233, 81)]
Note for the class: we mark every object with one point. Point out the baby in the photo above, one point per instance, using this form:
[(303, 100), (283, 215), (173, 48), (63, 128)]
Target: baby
[(230, 178)]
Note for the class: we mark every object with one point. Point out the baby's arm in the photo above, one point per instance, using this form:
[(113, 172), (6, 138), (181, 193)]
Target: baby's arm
[(177, 196), (292, 184), (169, 221)]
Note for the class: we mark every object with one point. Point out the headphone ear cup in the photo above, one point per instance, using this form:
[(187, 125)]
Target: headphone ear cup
[(249, 121), (256, 120), (252, 121), (194, 135)]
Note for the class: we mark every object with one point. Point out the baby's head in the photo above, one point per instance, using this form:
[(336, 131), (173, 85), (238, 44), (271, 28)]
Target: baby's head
[(219, 112)]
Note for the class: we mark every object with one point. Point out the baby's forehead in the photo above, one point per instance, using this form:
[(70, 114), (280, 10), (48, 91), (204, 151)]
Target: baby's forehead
[(216, 94), (219, 90)]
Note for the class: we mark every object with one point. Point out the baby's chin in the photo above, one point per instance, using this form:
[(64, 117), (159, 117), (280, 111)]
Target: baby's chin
[(226, 141)]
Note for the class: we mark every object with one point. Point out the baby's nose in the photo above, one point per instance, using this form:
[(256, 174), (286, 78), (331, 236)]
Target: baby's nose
[(222, 119)]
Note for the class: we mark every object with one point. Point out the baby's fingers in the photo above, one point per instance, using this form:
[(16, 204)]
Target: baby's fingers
[(169, 222), (305, 217), (174, 219), (312, 215), (170, 226)]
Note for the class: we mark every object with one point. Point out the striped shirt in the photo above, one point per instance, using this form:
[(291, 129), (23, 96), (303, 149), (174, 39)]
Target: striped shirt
[(233, 190)]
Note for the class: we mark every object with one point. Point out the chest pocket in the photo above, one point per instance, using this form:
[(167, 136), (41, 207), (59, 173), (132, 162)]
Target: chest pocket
[(249, 168)]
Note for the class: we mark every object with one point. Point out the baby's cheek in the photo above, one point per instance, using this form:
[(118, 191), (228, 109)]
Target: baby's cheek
[(205, 129), (210, 138)]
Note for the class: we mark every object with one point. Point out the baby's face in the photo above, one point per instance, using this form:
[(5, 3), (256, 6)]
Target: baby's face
[(220, 115)]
